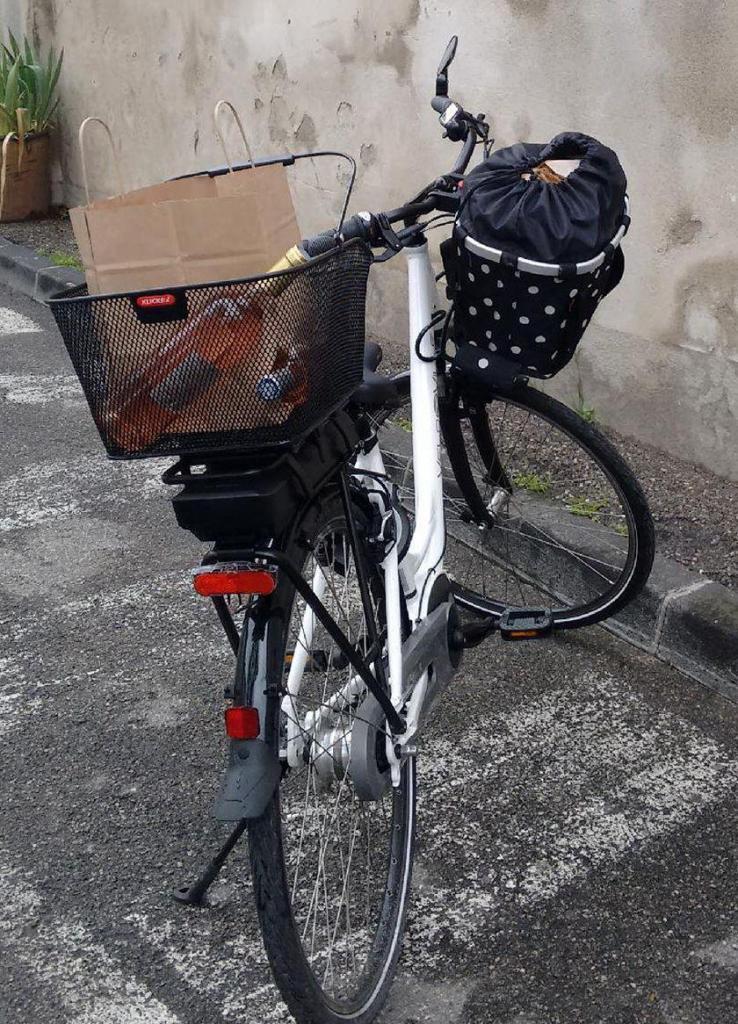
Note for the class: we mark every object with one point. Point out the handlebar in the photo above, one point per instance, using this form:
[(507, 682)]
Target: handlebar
[(373, 227), (459, 126), (466, 153)]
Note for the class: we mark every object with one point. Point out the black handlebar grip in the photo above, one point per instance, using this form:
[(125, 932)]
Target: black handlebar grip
[(318, 244), (466, 153), (441, 104), (356, 227)]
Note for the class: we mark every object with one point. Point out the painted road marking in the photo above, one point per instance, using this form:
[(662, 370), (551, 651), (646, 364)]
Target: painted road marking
[(167, 598), (23, 681), (212, 965), (40, 389), (36, 495), (48, 491), (13, 322), (724, 952), (15, 704), (174, 587), (21, 692), (65, 957), (610, 773)]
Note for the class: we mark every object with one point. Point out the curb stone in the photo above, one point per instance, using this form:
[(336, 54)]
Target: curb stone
[(687, 621), (681, 618), (25, 271)]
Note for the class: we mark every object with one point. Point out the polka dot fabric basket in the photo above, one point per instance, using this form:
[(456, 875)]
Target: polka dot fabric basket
[(531, 257), (533, 315)]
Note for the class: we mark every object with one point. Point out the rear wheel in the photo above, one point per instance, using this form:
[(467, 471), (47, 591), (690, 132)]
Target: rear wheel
[(332, 863)]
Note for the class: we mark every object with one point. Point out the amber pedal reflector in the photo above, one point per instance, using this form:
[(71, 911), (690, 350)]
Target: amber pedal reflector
[(221, 582), (242, 723)]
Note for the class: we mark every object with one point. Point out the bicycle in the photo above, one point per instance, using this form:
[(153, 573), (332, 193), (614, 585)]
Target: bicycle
[(332, 551)]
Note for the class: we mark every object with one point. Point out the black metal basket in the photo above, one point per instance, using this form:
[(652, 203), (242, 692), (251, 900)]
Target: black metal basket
[(235, 365)]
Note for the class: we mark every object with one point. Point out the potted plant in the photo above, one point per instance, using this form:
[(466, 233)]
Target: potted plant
[(27, 107)]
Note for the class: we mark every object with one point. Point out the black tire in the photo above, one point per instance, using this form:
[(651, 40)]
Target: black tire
[(280, 907), (584, 580)]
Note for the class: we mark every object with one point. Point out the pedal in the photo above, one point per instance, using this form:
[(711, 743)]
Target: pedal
[(525, 623)]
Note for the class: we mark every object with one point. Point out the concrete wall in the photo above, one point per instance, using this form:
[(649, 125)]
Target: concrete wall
[(656, 79)]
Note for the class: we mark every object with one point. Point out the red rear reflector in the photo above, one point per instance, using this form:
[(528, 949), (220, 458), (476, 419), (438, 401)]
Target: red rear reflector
[(219, 582), (242, 723), (148, 301)]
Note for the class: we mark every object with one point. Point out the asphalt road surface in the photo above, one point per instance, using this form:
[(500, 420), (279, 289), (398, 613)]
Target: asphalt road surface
[(578, 801)]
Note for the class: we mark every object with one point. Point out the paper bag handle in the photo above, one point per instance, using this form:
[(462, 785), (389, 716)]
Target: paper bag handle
[(116, 164), (4, 173), (216, 111)]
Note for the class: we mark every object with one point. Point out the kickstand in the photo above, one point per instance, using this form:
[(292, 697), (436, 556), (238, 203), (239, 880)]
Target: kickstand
[(194, 894)]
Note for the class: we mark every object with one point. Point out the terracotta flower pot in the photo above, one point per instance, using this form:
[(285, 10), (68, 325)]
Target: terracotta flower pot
[(25, 190)]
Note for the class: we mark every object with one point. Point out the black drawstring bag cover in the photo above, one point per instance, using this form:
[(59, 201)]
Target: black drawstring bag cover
[(566, 223)]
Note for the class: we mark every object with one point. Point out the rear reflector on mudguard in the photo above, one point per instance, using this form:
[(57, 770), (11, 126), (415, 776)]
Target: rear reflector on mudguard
[(220, 582), (242, 723)]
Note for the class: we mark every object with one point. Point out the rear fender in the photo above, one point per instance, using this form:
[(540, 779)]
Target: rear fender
[(253, 771)]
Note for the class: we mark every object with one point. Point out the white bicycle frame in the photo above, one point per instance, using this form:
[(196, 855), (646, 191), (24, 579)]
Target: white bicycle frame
[(423, 561)]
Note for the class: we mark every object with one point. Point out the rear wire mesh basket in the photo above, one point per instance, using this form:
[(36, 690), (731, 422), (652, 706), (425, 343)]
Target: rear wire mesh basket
[(237, 365)]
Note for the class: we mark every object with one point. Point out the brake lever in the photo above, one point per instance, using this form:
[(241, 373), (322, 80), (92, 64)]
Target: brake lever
[(387, 233), (394, 243)]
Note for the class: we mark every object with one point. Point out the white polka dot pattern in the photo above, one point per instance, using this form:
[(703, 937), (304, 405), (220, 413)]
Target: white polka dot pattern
[(533, 320)]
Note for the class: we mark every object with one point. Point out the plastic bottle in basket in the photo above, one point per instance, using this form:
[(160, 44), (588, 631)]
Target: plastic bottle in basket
[(220, 338)]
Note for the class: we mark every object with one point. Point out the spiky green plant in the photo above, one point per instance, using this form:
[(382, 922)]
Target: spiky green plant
[(27, 88)]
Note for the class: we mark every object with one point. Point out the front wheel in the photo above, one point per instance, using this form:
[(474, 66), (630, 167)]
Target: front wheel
[(553, 514), (331, 869)]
